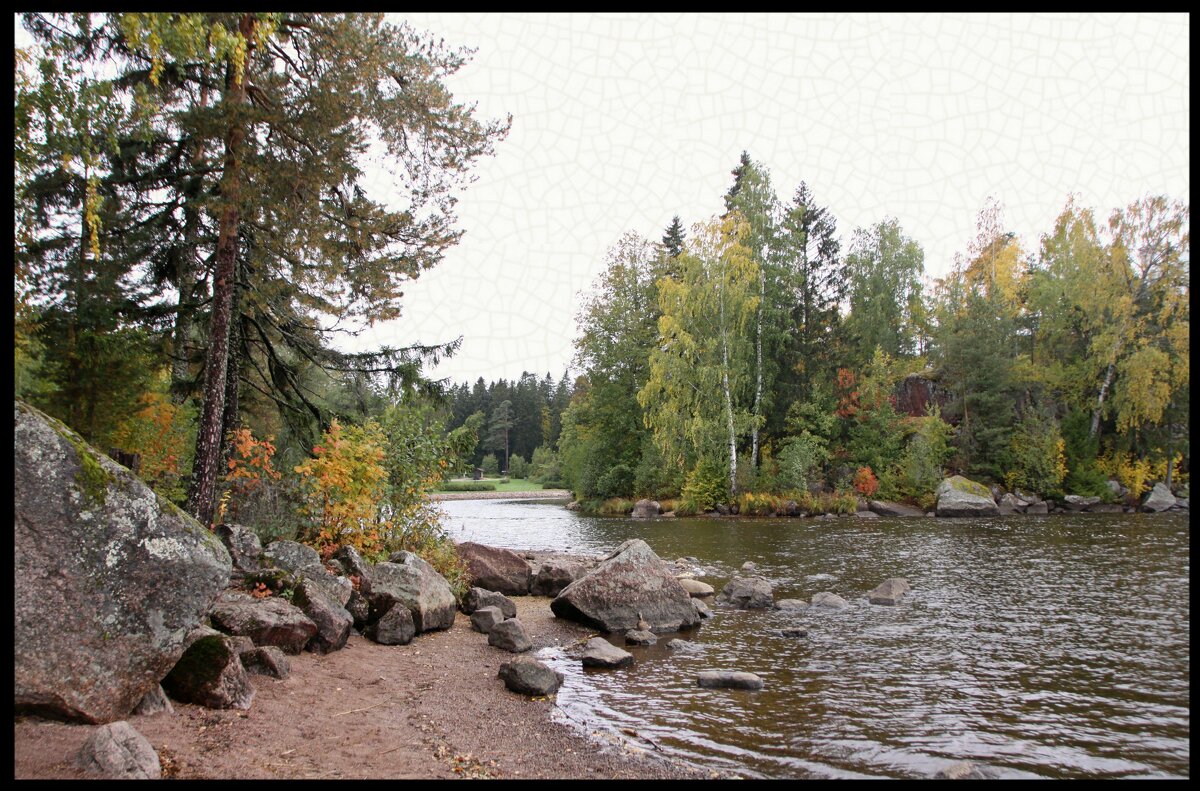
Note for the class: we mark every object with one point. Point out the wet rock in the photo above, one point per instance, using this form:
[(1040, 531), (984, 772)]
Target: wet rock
[(748, 593), (958, 496), (681, 645), (1039, 509), (290, 555), (828, 601), (600, 653), (528, 676), (749, 565), (640, 637), (554, 575), (645, 509), (511, 636), (791, 604), (792, 632), (885, 508), (1009, 504), (266, 661), (154, 702), (396, 627), (244, 547), (332, 620), (117, 751), (210, 674), (630, 584), (267, 621), (483, 619), (496, 569), (965, 770), (889, 591), (1159, 498), (108, 577), (702, 609), (478, 598), (728, 679), (866, 514), (696, 588), (409, 581)]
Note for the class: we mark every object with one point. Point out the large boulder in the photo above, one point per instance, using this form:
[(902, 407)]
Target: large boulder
[(748, 593), (1077, 502), (645, 509), (332, 620), (355, 565), (1009, 504), (958, 496), (117, 751), (109, 578), (629, 585), (1159, 498), (210, 673), (511, 636), (600, 653), (409, 581), (396, 627), (337, 588), (266, 621), (496, 569), (528, 676)]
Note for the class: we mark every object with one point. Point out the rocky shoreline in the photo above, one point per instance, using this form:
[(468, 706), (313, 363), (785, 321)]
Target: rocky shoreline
[(540, 494)]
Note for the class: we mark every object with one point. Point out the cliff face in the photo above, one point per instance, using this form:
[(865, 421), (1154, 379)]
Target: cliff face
[(916, 392)]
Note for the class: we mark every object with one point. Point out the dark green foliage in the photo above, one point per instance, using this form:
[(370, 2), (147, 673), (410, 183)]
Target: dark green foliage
[(1083, 477)]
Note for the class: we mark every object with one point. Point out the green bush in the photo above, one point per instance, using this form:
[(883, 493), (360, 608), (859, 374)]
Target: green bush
[(706, 486), (468, 486), (554, 484), (1036, 451), (504, 480), (490, 464), (518, 467)]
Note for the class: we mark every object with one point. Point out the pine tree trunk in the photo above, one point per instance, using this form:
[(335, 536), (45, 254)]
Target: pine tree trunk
[(202, 494)]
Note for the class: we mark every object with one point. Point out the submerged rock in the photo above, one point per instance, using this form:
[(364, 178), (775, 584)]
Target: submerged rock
[(748, 593), (728, 679), (828, 601), (889, 591)]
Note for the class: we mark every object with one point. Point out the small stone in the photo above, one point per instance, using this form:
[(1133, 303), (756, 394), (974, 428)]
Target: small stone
[(680, 645), (695, 588), (600, 653), (510, 635), (480, 597), (483, 619), (640, 637), (528, 676), (728, 679), (829, 601), (889, 591), (749, 565), (791, 604)]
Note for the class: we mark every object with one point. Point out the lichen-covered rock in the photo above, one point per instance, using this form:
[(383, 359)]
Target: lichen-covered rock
[(748, 593), (958, 496), (332, 620), (629, 585), (290, 555), (117, 751), (242, 543), (108, 577), (645, 509), (496, 569), (483, 619), (359, 609), (511, 636), (600, 653), (478, 597), (889, 591), (1159, 498), (210, 673), (355, 565), (266, 621), (338, 589), (396, 627), (729, 679), (409, 581), (554, 575), (528, 676), (266, 660)]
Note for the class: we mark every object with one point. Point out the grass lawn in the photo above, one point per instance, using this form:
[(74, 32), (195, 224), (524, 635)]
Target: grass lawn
[(513, 485)]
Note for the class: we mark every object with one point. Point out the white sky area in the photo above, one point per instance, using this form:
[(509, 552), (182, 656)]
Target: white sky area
[(621, 121)]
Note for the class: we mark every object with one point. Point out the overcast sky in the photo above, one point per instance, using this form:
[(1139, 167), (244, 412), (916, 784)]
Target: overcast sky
[(621, 121)]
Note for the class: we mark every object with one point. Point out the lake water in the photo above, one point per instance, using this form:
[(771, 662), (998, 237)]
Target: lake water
[(1053, 647)]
